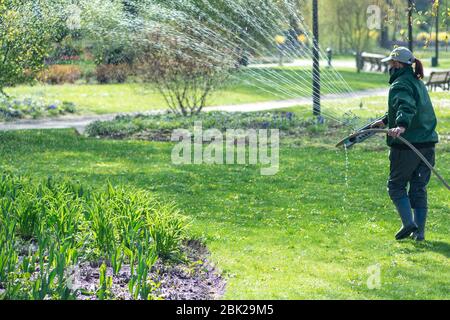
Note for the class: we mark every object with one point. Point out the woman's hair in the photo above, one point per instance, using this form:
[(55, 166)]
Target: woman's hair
[(418, 71)]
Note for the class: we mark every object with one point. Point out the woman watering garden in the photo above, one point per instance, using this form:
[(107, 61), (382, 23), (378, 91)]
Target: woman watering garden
[(410, 115)]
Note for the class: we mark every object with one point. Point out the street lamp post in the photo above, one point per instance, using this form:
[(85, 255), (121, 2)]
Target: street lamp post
[(316, 65), (435, 59), (437, 32), (410, 25)]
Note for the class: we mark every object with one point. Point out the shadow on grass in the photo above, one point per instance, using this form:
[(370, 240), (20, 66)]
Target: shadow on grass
[(439, 247)]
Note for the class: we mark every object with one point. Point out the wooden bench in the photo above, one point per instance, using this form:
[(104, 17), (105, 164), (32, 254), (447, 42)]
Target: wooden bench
[(371, 62), (439, 79)]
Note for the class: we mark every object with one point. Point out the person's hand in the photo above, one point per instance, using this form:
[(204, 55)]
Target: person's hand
[(396, 132), (378, 124)]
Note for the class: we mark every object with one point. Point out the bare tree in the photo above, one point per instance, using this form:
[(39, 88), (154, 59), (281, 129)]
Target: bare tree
[(183, 74)]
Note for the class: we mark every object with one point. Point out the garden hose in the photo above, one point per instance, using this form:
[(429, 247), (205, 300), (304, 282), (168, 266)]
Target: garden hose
[(411, 147)]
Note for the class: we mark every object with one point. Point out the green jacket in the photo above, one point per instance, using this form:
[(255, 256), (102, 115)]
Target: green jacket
[(410, 107)]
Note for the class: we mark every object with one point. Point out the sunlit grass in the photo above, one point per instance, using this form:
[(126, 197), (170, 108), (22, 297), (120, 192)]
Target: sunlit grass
[(289, 236)]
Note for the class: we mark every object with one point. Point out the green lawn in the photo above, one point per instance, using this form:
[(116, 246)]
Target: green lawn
[(370, 107), (443, 64), (301, 234), (112, 98), (423, 55)]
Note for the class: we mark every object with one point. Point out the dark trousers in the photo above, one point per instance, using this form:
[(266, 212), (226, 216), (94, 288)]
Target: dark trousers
[(408, 168)]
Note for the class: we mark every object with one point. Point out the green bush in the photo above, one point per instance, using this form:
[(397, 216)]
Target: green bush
[(27, 37), (11, 109)]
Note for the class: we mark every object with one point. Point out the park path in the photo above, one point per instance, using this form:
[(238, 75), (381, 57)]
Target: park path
[(337, 64), (80, 122)]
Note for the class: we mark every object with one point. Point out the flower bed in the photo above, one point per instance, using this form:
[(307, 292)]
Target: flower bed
[(61, 240), (12, 109), (159, 127)]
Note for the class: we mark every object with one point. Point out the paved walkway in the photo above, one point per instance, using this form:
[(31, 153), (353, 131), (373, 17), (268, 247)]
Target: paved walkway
[(338, 63), (80, 122), (281, 104)]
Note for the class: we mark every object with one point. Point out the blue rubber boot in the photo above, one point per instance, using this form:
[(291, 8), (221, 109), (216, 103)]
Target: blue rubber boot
[(420, 218), (404, 210)]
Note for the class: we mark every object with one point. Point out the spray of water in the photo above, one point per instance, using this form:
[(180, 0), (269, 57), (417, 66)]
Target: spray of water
[(234, 35), (347, 164), (227, 32)]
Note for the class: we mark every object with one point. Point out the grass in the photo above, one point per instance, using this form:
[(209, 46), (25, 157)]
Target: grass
[(425, 56), (301, 234), (443, 63), (114, 98)]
